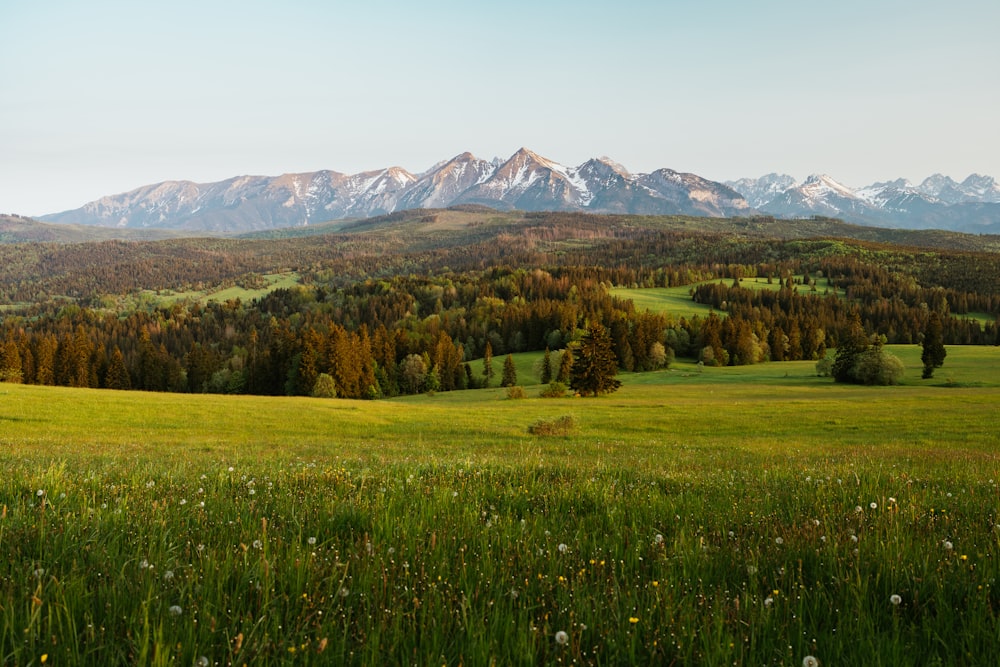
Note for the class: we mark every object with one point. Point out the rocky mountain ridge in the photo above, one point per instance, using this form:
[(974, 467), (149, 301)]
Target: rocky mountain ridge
[(938, 202), (525, 181)]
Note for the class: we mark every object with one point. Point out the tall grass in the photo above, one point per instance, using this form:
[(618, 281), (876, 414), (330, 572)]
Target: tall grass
[(686, 520)]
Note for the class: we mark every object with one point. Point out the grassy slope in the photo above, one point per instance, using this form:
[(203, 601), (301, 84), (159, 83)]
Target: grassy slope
[(753, 515)]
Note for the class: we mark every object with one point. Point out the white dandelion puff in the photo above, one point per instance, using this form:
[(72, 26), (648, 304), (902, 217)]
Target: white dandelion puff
[(562, 638), (810, 661), (895, 600), (175, 610)]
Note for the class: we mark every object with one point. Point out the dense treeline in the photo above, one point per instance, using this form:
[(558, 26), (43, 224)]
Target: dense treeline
[(412, 333), (382, 313)]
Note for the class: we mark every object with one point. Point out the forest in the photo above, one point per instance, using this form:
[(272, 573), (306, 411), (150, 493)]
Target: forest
[(413, 303)]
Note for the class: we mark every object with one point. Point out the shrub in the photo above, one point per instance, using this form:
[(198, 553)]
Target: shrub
[(824, 367), (554, 390), (516, 392), (564, 425), (325, 387), (878, 367)]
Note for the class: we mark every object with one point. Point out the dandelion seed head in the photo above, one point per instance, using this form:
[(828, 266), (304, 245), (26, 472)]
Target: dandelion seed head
[(343, 592), (810, 661), (257, 544), (658, 539), (175, 610), (40, 492), (562, 638), (948, 546), (311, 541), (202, 661), (768, 601), (168, 575), (779, 540), (563, 548), (873, 505), (895, 600)]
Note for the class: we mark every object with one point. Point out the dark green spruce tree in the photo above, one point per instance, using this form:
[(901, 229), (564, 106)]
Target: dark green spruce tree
[(595, 365), (509, 377), (933, 344)]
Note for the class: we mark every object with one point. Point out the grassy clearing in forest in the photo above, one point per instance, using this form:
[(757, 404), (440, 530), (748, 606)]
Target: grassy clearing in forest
[(754, 515)]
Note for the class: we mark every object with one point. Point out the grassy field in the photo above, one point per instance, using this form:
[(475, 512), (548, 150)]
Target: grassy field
[(274, 281), (752, 515), (676, 301)]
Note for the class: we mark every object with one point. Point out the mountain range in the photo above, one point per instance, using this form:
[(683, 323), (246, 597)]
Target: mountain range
[(529, 182), (937, 203)]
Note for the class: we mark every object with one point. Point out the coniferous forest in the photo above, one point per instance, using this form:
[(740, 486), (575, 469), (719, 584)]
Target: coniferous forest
[(404, 304)]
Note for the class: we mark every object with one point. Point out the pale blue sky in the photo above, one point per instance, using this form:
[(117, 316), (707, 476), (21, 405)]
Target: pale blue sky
[(101, 96)]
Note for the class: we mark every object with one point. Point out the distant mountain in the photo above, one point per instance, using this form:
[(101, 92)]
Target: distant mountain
[(938, 203), (525, 181)]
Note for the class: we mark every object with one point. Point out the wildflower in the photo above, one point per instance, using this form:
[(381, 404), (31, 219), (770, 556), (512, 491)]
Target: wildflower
[(343, 592), (143, 564), (858, 509), (658, 539), (257, 544), (311, 541), (810, 661), (948, 546), (892, 500), (768, 601), (779, 540), (175, 610), (633, 620), (183, 501), (168, 575), (562, 638), (202, 662), (39, 573), (563, 548), (873, 505), (40, 493), (895, 600)]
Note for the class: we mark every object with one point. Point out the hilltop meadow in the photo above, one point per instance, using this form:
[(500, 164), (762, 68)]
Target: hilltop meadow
[(289, 451)]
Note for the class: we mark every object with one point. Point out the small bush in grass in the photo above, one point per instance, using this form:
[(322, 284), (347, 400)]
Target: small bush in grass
[(564, 425), (515, 392), (554, 390)]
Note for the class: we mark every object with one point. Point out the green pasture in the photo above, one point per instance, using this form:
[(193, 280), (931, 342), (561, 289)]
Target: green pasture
[(677, 302), (752, 515), (274, 282)]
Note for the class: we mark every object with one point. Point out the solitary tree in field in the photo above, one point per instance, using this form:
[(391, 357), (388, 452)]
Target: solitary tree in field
[(509, 378), (488, 363), (934, 352), (595, 364)]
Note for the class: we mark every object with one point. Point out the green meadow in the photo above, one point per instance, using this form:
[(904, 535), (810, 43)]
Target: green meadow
[(677, 302), (753, 515)]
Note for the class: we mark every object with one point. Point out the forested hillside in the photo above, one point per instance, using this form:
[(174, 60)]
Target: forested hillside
[(405, 303)]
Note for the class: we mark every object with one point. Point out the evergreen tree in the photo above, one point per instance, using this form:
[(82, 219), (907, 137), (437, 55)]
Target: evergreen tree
[(595, 366), (509, 378), (565, 366), (10, 363), (488, 363), (934, 352), (546, 376), (849, 351), (117, 376)]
